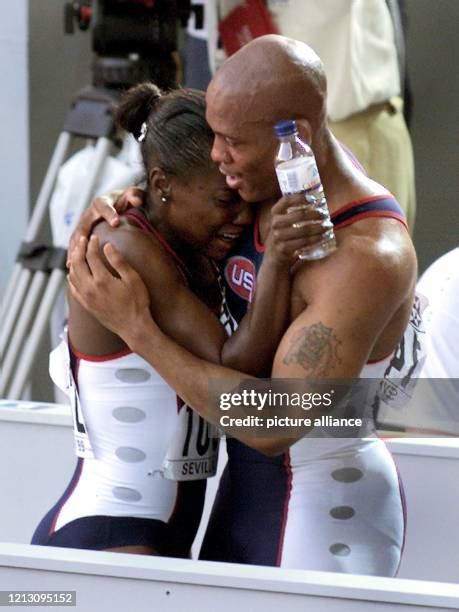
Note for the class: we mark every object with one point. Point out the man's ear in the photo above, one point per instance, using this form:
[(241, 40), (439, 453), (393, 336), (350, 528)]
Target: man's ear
[(304, 130), (159, 183)]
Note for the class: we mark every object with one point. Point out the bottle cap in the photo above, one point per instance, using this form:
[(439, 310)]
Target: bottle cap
[(285, 127)]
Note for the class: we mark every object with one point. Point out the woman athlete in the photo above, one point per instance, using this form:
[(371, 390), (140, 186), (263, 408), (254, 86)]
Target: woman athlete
[(143, 456)]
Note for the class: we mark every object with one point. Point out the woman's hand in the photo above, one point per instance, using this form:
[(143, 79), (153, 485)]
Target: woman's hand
[(295, 225), (121, 303), (107, 208)]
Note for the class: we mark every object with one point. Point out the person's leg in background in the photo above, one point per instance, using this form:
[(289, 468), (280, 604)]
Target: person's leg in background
[(380, 140)]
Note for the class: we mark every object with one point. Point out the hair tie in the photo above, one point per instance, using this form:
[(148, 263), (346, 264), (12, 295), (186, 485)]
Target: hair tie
[(143, 132)]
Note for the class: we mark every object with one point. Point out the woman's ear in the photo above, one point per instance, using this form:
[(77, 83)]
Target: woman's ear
[(159, 183), (304, 130)]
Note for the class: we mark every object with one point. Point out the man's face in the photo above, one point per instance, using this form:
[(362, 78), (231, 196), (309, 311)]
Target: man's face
[(207, 215), (244, 150)]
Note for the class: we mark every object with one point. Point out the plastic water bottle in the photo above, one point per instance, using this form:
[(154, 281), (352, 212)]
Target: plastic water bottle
[(297, 172)]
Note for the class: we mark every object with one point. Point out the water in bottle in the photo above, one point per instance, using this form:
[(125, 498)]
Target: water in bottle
[(297, 172)]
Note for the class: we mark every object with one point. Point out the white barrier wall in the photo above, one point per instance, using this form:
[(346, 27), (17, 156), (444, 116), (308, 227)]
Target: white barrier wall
[(430, 473), (36, 462), (115, 582)]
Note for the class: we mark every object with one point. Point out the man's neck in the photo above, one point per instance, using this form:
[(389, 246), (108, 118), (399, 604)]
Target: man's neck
[(339, 176), (264, 217)]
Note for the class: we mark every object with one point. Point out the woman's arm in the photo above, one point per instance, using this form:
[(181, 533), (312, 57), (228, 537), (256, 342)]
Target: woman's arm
[(251, 349)]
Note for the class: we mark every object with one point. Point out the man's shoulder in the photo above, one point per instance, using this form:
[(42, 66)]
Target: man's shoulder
[(370, 253)]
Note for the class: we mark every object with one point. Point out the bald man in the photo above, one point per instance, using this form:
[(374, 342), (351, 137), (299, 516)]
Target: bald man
[(316, 503)]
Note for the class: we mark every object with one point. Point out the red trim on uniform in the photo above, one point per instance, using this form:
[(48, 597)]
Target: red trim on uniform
[(260, 248), (288, 492), (405, 515), (52, 528), (146, 225), (362, 201), (372, 213), (403, 503), (118, 355)]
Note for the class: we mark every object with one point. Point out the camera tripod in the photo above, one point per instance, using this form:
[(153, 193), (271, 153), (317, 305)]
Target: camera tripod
[(39, 272), (127, 37)]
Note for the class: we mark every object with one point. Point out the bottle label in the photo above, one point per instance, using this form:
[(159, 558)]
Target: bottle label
[(297, 175)]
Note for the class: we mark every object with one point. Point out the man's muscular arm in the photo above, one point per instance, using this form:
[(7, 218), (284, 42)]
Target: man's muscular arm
[(316, 349), (351, 299)]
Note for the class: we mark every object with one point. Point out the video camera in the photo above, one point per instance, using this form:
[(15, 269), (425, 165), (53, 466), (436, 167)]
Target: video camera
[(133, 40)]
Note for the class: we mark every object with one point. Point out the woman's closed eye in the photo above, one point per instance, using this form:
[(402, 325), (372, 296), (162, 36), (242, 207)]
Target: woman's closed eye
[(227, 199), (227, 203)]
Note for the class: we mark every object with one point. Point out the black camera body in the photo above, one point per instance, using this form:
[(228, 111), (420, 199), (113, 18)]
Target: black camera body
[(133, 40)]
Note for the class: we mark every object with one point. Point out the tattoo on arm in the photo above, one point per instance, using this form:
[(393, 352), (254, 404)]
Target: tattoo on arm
[(315, 349)]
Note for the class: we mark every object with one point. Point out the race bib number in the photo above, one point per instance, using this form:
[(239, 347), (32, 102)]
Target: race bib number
[(61, 374), (82, 444), (193, 451)]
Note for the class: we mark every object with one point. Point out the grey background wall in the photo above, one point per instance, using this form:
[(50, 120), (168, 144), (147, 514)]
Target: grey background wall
[(433, 55), (59, 66), (42, 69), (14, 157)]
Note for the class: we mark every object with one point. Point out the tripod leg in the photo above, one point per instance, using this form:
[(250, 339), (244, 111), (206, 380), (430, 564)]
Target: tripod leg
[(14, 294), (25, 359), (41, 322), (10, 308), (13, 352), (9, 292)]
